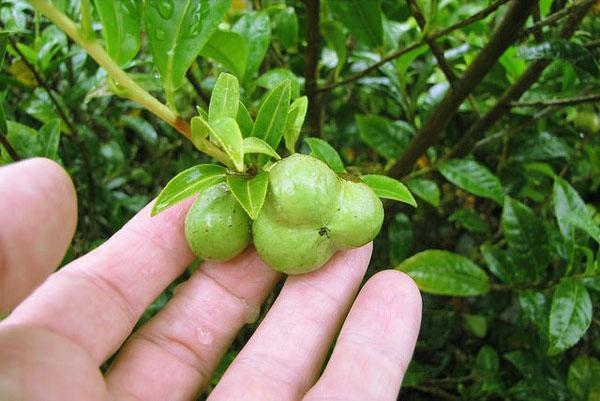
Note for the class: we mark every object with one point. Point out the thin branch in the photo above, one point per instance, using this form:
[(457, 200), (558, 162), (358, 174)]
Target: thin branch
[(439, 393), (592, 44), (433, 36), (312, 62), (552, 18), (515, 91), (505, 35), (9, 149), (538, 34), (569, 101)]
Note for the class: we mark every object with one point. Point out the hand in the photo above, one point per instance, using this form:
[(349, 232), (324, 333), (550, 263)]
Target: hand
[(52, 344)]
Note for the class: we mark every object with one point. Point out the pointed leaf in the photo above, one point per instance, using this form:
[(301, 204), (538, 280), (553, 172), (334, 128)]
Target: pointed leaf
[(200, 131), (425, 189), (225, 98), (502, 265), (334, 35), (388, 138), (389, 188), (272, 115), (121, 27), (294, 122), (250, 191), (49, 138), (230, 50), (570, 315), (229, 137), (244, 120), (188, 183), (362, 18), (256, 145), (445, 273), (583, 379), (256, 29), (326, 153), (566, 200), (585, 223), (473, 177)]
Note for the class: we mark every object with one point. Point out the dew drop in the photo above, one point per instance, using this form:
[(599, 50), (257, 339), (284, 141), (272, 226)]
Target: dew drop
[(165, 8), (159, 34), (204, 337)]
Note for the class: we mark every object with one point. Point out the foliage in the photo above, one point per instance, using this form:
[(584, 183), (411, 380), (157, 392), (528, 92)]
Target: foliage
[(504, 243)]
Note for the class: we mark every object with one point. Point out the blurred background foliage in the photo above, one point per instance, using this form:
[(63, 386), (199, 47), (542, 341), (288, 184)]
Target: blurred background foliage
[(504, 243)]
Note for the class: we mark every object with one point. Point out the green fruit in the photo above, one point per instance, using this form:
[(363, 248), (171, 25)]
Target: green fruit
[(358, 218), (216, 226), (588, 121), (303, 190)]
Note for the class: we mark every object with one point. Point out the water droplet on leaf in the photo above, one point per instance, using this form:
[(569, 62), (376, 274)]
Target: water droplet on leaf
[(159, 34), (165, 8)]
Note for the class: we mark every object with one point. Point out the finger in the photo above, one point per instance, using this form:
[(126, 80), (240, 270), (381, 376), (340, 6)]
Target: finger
[(376, 343), (96, 300), (38, 215), (173, 356), (283, 357)]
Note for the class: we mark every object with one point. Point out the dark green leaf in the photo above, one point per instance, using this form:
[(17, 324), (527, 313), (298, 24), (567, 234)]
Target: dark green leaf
[(502, 265), (400, 237), (445, 273), (476, 324), (294, 122), (49, 139), (566, 200), (121, 26), (188, 183), (225, 98), (570, 315), (250, 191), (333, 33), (141, 127), (572, 52), (253, 144), (326, 153), (389, 188), (541, 146), (230, 50), (425, 189), (229, 137), (584, 222), (487, 360), (583, 379), (362, 18), (473, 177), (285, 26), (255, 28), (470, 220), (3, 42), (271, 118), (388, 138)]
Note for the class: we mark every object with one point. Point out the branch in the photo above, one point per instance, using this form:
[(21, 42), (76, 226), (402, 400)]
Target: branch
[(312, 61), (515, 91), (9, 149), (569, 101), (439, 393), (552, 18), (423, 41), (506, 33)]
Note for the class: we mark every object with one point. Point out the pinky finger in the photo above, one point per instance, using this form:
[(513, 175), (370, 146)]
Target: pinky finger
[(376, 342)]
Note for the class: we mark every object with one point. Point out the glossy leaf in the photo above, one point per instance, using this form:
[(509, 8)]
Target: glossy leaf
[(250, 191), (188, 183), (388, 138), (244, 120), (583, 379), (142, 127), (177, 31), (570, 315), (362, 18), (230, 50), (274, 77), (389, 188), (326, 153), (501, 264), (425, 189), (200, 131), (229, 137), (400, 237), (470, 220), (294, 122), (472, 177), (584, 222), (571, 52), (566, 200), (121, 27), (285, 26), (271, 118), (225, 98), (256, 29), (49, 139), (333, 32), (526, 235), (445, 273), (253, 144)]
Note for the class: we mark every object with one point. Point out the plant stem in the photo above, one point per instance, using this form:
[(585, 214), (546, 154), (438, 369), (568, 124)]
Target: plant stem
[(569, 101), (9, 149), (122, 80)]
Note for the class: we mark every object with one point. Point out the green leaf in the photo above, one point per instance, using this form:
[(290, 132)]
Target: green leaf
[(285, 26), (472, 177), (49, 139), (476, 324), (487, 360), (253, 144), (570, 315), (254, 27), (583, 379), (585, 223), (571, 52), (470, 220), (250, 191), (294, 122), (188, 183), (200, 131), (272, 115), (388, 138), (541, 146), (142, 127), (326, 153), (566, 200), (445, 273), (389, 188), (502, 265), (362, 18), (229, 137), (274, 77), (333, 32), (177, 31), (525, 235), (230, 50), (425, 189), (400, 238), (244, 120), (3, 42), (121, 27), (225, 98)]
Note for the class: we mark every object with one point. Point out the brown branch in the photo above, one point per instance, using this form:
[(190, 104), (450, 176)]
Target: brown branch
[(538, 34), (9, 149), (552, 18), (312, 62), (433, 36), (506, 33), (569, 101), (515, 91)]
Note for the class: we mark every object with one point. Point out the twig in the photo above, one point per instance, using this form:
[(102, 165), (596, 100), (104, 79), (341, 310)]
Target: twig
[(433, 36), (312, 61), (11, 151), (506, 33), (538, 34), (436, 392), (552, 18), (569, 101)]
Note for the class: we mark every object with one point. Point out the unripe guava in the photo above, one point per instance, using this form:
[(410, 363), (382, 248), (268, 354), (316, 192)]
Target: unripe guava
[(303, 190), (588, 121), (287, 248), (216, 226), (359, 215)]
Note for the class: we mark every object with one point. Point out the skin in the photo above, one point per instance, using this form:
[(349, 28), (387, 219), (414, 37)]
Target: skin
[(216, 227), (53, 343)]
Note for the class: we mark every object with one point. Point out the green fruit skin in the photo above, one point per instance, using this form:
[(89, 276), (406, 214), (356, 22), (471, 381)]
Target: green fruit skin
[(358, 218), (289, 249), (303, 190), (216, 226), (588, 122)]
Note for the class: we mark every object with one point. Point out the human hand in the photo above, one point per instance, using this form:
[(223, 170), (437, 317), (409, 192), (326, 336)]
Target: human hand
[(53, 342)]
